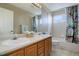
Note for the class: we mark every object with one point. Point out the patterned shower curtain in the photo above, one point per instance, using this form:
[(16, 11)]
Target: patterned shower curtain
[(35, 22), (72, 24)]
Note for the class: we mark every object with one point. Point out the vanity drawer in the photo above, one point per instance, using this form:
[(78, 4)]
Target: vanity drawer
[(40, 44)]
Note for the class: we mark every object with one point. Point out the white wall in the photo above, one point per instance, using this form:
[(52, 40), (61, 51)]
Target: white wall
[(58, 6), (59, 28)]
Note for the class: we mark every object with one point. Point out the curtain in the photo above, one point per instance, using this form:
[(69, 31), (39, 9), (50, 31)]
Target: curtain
[(72, 24), (36, 22)]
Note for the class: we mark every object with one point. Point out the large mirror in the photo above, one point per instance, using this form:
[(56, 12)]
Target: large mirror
[(19, 17)]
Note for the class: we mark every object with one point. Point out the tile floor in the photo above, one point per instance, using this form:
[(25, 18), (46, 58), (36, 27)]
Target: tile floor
[(65, 49)]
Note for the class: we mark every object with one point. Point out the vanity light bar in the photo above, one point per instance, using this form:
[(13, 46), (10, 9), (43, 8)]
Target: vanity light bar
[(36, 5)]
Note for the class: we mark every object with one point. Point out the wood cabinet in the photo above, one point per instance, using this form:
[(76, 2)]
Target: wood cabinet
[(31, 50), (41, 48), (48, 45), (17, 53)]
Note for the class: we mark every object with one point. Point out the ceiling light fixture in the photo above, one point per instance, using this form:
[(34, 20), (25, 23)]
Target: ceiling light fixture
[(36, 5)]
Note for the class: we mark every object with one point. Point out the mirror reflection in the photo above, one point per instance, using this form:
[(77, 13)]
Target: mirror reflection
[(19, 17)]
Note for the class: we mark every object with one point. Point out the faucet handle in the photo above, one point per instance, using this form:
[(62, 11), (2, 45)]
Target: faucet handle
[(12, 32)]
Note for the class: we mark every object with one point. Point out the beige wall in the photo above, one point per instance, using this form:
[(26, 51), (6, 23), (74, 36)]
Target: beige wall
[(20, 17)]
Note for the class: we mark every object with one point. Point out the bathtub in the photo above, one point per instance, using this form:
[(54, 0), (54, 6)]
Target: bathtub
[(58, 39)]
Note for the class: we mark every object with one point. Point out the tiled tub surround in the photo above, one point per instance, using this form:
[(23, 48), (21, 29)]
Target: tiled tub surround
[(7, 48)]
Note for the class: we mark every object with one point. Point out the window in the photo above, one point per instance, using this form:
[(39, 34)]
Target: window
[(59, 18)]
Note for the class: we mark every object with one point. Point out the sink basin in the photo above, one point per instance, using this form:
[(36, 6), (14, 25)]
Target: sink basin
[(19, 41)]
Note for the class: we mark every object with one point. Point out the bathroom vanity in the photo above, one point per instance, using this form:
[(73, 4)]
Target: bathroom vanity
[(39, 46)]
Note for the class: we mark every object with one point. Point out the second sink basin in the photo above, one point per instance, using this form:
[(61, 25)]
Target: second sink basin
[(18, 41)]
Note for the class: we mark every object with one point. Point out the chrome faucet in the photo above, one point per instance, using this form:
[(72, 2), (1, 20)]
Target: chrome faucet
[(14, 38)]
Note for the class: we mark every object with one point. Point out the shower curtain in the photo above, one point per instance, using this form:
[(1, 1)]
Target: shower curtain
[(72, 24), (36, 22)]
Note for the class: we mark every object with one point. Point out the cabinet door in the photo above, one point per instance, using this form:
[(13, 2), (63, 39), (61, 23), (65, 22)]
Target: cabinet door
[(17, 53), (31, 50), (48, 46), (41, 48), (41, 51)]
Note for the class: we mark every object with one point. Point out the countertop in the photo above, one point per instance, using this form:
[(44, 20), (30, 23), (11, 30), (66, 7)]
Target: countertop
[(5, 48)]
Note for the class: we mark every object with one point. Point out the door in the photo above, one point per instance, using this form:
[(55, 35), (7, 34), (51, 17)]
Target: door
[(6, 21)]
